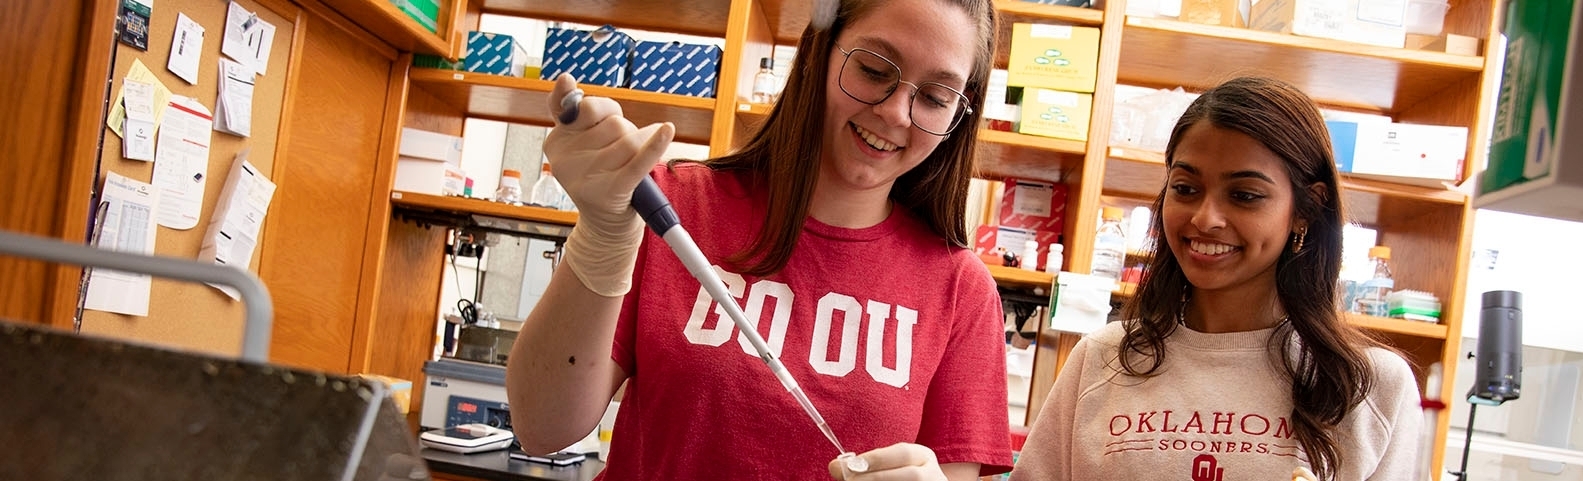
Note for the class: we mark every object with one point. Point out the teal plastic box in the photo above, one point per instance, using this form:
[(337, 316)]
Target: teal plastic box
[(425, 12)]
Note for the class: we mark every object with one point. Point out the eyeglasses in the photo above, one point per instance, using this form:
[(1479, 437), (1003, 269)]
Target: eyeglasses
[(870, 78)]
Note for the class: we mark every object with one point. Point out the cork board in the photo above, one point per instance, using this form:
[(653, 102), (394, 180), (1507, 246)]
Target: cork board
[(187, 315)]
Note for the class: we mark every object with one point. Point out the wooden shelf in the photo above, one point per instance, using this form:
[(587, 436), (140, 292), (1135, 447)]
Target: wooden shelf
[(1168, 53), (524, 101), (706, 18), (753, 109), (1397, 326), (1015, 11), (390, 24), (1017, 277), (1007, 154), (1141, 174), (470, 206)]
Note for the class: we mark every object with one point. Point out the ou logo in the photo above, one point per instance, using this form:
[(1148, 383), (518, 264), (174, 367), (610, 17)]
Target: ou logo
[(835, 311)]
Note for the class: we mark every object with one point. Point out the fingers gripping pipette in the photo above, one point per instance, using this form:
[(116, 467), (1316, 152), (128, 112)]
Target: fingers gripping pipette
[(656, 211)]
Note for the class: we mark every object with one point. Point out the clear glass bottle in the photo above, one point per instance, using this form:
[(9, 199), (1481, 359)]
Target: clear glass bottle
[(510, 190), (1110, 245), (1372, 300), (547, 192), (764, 82)]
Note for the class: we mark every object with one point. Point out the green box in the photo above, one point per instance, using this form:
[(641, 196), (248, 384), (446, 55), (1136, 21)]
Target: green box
[(1535, 166), (425, 12)]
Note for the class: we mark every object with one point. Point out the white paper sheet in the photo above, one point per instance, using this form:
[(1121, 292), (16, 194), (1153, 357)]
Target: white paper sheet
[(182, 163), (128, 226), (138, 100), (186, 47), (238, 218), (247, 38), (233, 107)]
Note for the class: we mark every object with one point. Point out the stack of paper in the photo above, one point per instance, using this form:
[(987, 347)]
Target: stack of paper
[(233, 233), (233, 110)]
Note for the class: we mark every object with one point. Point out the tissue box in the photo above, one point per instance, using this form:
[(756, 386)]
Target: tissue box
[(495, 53), (1406, 153), (1374, 22), (425, 12), (1057, 57), (676, 68), (1053, 113), (598, 57)]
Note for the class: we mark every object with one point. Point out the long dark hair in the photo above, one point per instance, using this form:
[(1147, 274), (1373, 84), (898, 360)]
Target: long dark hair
[(1330, 370), (784, 161)]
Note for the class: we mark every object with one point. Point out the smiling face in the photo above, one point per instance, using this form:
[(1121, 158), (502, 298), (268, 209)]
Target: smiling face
[(866, 147), (1227, 211)]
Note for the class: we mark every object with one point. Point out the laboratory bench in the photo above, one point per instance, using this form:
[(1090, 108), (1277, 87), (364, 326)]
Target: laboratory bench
[(498, 466)]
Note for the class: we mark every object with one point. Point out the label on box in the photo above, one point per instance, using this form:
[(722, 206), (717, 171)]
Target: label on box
[(1058, 57), (1032, 199), (1033, 205)]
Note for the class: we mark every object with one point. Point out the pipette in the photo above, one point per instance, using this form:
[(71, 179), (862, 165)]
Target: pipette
[(656, 211)]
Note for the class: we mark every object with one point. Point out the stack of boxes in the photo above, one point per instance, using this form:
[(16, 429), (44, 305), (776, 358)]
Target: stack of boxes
[(1056, 67), (430, 163)]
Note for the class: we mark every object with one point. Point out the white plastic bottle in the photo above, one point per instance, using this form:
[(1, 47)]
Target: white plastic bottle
[(546, 191), (510, 190), (1030, 255), (764, 82), (1110, 245), (1372, 300), (1053, 260)]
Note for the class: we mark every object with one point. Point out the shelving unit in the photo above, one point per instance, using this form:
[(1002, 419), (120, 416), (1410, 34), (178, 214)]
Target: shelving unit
[(1429, 229), (384, 20)]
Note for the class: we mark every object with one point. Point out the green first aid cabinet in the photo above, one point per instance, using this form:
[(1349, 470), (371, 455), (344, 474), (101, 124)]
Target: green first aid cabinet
[(1536, 162)]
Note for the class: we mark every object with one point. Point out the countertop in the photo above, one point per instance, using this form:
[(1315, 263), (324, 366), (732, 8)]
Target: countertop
[(498, 466)]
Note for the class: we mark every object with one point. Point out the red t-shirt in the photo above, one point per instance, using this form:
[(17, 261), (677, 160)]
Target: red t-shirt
[(894, 335)]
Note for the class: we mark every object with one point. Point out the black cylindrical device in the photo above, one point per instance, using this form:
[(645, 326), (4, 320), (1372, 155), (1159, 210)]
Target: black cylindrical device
[(1499, 359)]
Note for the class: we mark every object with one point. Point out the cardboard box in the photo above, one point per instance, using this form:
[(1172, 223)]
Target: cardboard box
[(1226, 13), (1416, 154), (1056, 57), (429, 163), (424, 144), (598, 57), (495, 53), (1053, 113), (1447, 42), (676, 68), (1373, 22), (1535, 167)]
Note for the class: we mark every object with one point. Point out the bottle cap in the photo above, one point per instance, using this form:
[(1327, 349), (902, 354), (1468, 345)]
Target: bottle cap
[(544, 166), (766, 62), (511, 173), (1111, 213), (1057, 248), (1380, 252)]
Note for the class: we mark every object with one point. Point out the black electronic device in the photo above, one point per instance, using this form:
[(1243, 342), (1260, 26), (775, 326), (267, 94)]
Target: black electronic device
[(1499, 360)]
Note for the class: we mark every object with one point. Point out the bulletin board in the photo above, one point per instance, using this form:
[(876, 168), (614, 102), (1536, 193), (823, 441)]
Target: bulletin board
[(181, 314)]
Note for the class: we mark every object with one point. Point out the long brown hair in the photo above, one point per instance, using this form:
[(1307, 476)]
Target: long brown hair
[(1330, 371), (784, 161)]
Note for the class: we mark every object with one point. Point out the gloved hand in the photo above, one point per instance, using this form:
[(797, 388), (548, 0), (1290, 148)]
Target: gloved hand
[(599, 158), (900, 461)]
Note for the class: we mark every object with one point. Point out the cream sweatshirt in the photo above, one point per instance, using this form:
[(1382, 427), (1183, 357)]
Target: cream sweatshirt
[(1218, 410)]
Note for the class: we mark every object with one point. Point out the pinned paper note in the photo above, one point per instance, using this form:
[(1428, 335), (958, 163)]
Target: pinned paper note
[(238, 218), (138, 99), (140, 73), (128, 226), (182, 163), (247, 38), (186, 47), (233, 108)]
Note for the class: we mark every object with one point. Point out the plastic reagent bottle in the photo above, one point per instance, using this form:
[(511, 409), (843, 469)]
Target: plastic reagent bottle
[(1052, 262), (1110, 245), (510, 190), (547, 192), (764, 82), (1372, 300), (1030, 255)]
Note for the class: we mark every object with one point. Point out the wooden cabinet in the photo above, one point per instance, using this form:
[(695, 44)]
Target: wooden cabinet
[(1429, 229)]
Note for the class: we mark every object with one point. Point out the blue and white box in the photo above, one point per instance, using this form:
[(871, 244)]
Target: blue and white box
[(598, 57), (676, 68), (495, 53)]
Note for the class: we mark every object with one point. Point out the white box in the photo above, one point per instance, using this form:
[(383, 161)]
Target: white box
[(426, 176), (423, 144), (1428, 155), (1373, 22)]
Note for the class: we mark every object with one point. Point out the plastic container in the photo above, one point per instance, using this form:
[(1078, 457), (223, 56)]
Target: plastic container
[(547, 192), (1053, 260), (1030, 255), (1426, 17), (1110, 245), (510, 190)]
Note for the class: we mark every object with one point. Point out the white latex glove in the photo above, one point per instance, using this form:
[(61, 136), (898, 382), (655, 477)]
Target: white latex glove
[(897, 462), (599, 159)]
